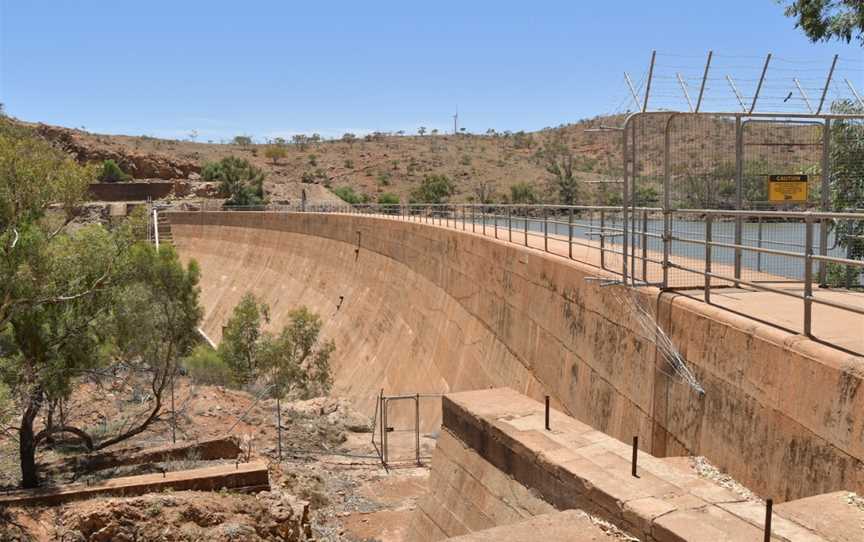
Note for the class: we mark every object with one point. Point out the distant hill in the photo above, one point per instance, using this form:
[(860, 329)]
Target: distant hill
[(379, 163), (485, 167)]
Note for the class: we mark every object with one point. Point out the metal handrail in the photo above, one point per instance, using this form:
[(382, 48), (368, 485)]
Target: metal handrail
[(630, 243)]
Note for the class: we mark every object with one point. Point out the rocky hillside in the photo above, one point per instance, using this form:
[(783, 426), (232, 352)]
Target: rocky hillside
[(483, 167), (480, 166)]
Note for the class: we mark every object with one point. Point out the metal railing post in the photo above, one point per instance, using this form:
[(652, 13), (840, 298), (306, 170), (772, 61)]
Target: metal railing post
[(602, 239), (570, 232), (417, 425), (808, 276), (739, 190), (667, 182), (644, 243), (495, 218), (526, 226), (509, 225), (708, 239), (824, 198), (383, 430), (156, 227), (667, 245), (483, 218), (464, 218), (759, 244), (629, 170), (473, 219), (545, 229)]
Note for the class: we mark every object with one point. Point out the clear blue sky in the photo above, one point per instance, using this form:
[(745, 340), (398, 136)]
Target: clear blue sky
[(268, 68)]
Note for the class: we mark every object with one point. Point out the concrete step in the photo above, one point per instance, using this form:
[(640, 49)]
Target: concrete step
[(235, 476)]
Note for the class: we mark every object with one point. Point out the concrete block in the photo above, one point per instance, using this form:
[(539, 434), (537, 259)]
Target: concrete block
[(242, 476)]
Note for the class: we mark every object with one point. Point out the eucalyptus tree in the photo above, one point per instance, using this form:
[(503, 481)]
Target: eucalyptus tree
[(78, 303)]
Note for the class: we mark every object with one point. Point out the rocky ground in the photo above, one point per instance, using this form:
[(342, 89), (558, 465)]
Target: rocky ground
[(329, 466)]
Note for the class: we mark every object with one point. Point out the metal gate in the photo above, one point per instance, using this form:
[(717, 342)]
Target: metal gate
[(396, 431)]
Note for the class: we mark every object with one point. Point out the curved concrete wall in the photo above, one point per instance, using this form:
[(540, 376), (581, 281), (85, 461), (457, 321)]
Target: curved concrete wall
[(430, 309)]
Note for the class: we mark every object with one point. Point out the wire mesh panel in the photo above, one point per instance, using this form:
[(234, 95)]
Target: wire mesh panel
[(845, 237), (780, 147), (702, 151)]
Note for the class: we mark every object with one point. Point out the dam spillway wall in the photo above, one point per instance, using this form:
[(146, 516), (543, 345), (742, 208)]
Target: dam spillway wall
[(419, 308)]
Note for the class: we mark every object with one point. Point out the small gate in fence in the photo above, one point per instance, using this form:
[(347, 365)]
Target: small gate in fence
[(397, 424)]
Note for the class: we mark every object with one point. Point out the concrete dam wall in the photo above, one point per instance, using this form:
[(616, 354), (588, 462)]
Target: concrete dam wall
[(418, 308)]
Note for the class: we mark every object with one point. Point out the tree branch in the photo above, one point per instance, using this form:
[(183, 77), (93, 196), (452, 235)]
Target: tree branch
[(45, 433)]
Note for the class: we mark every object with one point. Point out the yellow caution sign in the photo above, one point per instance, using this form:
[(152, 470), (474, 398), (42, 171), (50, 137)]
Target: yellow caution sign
[(787, 188)]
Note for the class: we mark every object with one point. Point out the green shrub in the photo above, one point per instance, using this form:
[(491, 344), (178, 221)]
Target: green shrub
[(386, 198), (433, 189), (211, 172), (205, 366), (384, 178), (112, 173), (275, 153), (242, 182), (349, 196), (523, 193)]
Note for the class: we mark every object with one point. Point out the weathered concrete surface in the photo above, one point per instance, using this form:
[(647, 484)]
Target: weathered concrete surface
[(570, 526), (839, 512), (468, 494), (572, 466), (205, 450), (429, 309), (240, 476)]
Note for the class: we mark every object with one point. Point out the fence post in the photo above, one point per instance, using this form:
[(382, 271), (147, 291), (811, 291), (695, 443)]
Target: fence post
[(759, 244), (570, 232), (384, 431), (495, 218), (602, 239), (739, 191), (808, 276), (708, 238), (667, 245), (547, 414), (769, 506), (824, 197), (645, 245), (526, 226), (417, 425), (509, 225), (545, 229), (483, 218), (473, 219)]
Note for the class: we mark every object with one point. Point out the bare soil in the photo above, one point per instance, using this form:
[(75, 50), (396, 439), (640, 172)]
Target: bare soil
[(328, 462)]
